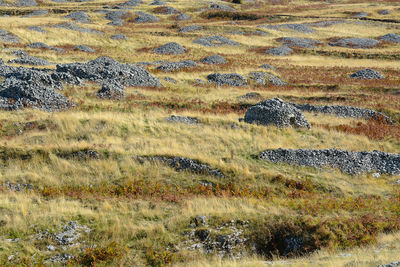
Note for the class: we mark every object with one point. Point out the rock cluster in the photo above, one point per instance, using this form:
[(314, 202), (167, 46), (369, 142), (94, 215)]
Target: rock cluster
[(283, 50), (170, 48), (367, 74), (303, 28), (191, 28), (215, 40), (276, 112), (262, 78), (8, 37), (230, 79), (183, 119), (343, 111), (184, 164), (214, 60), (143, 17), (176, 66), (391, 37), (299, 42), (111, 91), (363, 43), (78, 16), (346, 161)]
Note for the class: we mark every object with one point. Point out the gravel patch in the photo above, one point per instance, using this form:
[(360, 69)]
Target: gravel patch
[(74, 27), (131, 3), (31, 88), (390, 37), (7, 37), (230, 79), (176, 66), (363, 43), (263, 78), (191, 28), (216, 6), (26, 3), (170, 48), (346, 161), (78, 16), (283, 50), (36, 29), (299, 42), (158, 3), (84, 48), (326, 23), (167, 10), (392, 264), (367, 74), (276, 112), (267, 67), (343, 111), (170, 80), (105, 68), (112, 90), (143, 17), (30, 60), (183, 17), (215, 40), (119, 37), (182, 119), (184, 164), (251, 95), (18, 187), (214, 60)]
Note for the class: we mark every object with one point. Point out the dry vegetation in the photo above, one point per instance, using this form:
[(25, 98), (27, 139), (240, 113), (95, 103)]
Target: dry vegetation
[(139, 212)]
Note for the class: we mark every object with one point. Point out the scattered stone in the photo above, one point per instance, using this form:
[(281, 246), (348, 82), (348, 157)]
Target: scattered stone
[(221, 7), (184, 164), (182, 17), (107, 69), (230, 79), (26, 3), (183, 119), (73, 27), (363, 43), (214, 60), (31, 88), (84, 48), (266, 66), (78, 16), (299, 42), (277, 112), (191, 28), (215, 41), (131, 3), (367, 74), (390, 37), (346, 161), (116, 17), (175, 66), (343, 111), (36, 29), (263, 77), (251, 95), (7, 37), (18, 187), (280, 51), (171, 80), (41, 45), (62, 258), (145, 17), (384, 12), (326, 23), (30, 60), (170, 48), (111, 90), (119, 37), (158, 3)]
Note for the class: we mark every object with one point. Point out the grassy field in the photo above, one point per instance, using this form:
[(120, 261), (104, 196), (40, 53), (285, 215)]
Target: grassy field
[(143, 213)]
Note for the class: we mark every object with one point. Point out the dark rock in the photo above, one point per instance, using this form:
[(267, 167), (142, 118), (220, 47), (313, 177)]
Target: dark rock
[(280, 51), (263, 78), (276, 112), (111, 90), (191, 28), (214, 59), (367, 74), (215, 41), (145, 17), (363, 43), (170, 48), (79, 16), (176, 66), (30, 60), (84, 48)]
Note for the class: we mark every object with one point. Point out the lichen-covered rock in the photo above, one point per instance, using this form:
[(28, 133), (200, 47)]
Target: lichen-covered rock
[(276, 112)]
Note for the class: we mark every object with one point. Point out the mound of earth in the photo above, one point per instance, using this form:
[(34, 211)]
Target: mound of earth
[(363, 43), (348, 162), (105, 68), (215, 41), (367, 74), (230, 79), (276, 112), (170, 48), (214, 60)]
